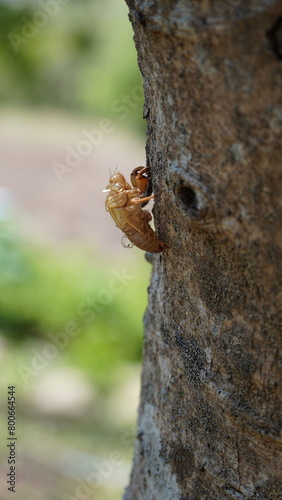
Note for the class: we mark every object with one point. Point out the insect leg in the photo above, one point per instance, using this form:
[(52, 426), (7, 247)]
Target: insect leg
[(141, 200)]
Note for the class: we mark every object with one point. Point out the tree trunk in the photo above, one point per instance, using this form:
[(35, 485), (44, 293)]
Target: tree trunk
[(208, 418)]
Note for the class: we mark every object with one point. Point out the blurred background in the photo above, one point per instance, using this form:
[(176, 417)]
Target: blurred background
[(72, 297)]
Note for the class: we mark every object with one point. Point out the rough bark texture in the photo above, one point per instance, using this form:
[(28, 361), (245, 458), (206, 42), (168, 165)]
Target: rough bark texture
[(208, 418)]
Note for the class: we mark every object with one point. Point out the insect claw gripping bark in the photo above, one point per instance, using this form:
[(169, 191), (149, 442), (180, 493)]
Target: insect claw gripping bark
[(124, 203)]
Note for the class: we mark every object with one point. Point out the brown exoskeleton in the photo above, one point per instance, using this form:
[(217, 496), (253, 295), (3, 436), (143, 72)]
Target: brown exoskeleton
[(141, 179), (124, 203)]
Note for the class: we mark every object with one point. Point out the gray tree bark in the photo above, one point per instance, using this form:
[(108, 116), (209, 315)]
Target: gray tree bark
[(208, 423)]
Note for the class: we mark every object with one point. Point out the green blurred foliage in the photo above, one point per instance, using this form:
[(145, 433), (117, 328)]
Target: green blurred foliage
[(82, 60), (77, 55), (64, 298)]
